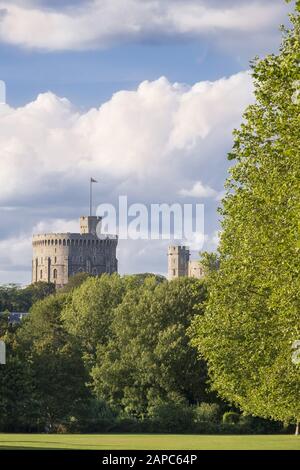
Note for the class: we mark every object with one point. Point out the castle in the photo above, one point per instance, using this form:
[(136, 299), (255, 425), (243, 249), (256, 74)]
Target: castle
[(180, 265), (57, 256)]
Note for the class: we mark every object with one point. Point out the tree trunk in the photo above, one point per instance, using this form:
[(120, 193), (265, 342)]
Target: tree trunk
[(297, 429)]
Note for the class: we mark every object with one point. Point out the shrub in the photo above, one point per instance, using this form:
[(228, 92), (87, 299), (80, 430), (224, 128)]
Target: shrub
[(173, 417), (94, 416), (231, 417), (207, 412), (252, 424)]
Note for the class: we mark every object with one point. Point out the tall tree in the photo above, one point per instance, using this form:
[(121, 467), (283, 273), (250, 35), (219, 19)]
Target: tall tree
[(253, 315), (148, 359), (57, 371)]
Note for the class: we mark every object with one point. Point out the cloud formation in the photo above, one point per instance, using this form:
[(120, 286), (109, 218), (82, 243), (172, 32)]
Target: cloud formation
[(147, 144), (199, 190), (101, 23), (160, 129)]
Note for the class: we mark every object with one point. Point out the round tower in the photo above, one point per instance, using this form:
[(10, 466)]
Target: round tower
[(57, 256)]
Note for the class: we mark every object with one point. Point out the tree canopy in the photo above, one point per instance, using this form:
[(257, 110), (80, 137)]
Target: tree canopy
[(253, 314), (147, 359)]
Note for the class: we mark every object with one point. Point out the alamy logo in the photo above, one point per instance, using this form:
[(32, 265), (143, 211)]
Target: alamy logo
[(154, 222)]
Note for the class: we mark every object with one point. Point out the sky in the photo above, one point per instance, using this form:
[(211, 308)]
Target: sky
[(143, 95)]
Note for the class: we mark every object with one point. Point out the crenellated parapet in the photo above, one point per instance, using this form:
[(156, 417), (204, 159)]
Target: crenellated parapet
[(57, 256)]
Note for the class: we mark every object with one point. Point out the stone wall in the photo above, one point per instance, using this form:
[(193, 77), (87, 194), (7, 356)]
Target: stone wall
[(180, 265), (57, 256)]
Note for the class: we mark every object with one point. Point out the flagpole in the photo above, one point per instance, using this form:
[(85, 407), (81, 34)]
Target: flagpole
[(92, 180), (91, 196)]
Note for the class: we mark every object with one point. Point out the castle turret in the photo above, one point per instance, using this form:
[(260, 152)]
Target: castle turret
[(178, 261), (90, 224), (180, 265), (57, 256)]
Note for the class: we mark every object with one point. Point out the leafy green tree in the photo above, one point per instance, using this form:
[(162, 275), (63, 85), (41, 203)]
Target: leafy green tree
[(75, 281), (35, 292), (54, 357), (17, 401), (17, 299), (210, 262), (253, 313), (88, 313), (147, 359)]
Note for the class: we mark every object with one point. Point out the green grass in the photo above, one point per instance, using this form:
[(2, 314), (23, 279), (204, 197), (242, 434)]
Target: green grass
[(147, 442)]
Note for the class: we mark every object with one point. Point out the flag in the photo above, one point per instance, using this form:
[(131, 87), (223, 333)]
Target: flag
[(93, 181)]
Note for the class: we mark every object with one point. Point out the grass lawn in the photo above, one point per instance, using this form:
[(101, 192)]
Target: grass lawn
[(147, 442)]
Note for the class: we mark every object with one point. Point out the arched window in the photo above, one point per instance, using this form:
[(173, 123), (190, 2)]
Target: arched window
[(54, 273)]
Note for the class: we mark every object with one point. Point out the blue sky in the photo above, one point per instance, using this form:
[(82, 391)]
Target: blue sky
[(85, 97)]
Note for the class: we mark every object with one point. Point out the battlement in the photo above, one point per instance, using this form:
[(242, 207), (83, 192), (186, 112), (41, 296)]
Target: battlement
[(90, 225), (57, 256), (180, 265), (71, 239)]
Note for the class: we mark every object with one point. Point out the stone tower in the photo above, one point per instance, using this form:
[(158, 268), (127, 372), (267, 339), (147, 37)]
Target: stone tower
[(195, 269), (180, 265), (178, 261), (57, 256)]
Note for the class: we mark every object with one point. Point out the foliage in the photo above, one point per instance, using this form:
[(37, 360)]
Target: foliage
[(74, 281), (252, 319), (57, 371), (173, 417), (231, 417), (13, 298), (89, 312), (148, 357), (210, 262), (207, 412)]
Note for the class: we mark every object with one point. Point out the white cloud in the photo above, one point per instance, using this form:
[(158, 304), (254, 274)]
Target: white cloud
[(158, 131), (199, 190), (15, 252), (148, 144), (56, 226), (99, 23)]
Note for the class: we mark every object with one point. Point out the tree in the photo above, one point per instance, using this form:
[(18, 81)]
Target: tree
[(147, 360), (57, 371), (17, 299), (253, 313), (17, 398), (88, 313), (75, 281)]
